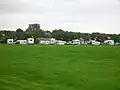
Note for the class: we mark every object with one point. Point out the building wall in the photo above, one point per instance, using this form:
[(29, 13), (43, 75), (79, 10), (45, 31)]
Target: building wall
[(34, 26)]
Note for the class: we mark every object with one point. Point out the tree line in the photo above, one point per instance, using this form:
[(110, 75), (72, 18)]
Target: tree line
[(58, 34)]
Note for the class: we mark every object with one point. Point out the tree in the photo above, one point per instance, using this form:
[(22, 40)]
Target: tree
[(59, 34), (47, 34), (19, 30), (20, 34), (38, 33)]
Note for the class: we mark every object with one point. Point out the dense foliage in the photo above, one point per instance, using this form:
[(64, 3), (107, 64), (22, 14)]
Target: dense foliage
[(58, 34)]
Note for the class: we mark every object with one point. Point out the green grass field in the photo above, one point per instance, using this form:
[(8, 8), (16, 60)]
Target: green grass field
[(41, 67)]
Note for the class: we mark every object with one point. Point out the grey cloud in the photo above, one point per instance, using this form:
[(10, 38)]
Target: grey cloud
[(73, 15), (19, 6), (10, 5)]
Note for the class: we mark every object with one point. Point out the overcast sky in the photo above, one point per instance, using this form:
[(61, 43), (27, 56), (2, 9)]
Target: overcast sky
[(70, 15)]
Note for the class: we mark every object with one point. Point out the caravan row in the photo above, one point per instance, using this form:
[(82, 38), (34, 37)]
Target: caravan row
[(46, 41), (32, 41), (28, 41)]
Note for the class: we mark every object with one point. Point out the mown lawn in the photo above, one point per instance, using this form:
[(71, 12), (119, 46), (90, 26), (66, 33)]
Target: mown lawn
[(39, 67)]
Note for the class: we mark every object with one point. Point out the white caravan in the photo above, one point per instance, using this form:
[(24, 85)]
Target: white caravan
[(95, 42), (10, 41), (22, 41), (30, 40), (109, 42)]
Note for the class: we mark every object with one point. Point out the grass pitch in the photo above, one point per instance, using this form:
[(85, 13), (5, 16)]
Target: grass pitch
[(41, 67)]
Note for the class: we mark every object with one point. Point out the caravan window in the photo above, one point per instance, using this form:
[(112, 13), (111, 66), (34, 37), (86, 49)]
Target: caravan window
[(10, 41)]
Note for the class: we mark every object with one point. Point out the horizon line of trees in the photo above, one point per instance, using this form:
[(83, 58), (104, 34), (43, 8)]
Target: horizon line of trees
[(58, 34)]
